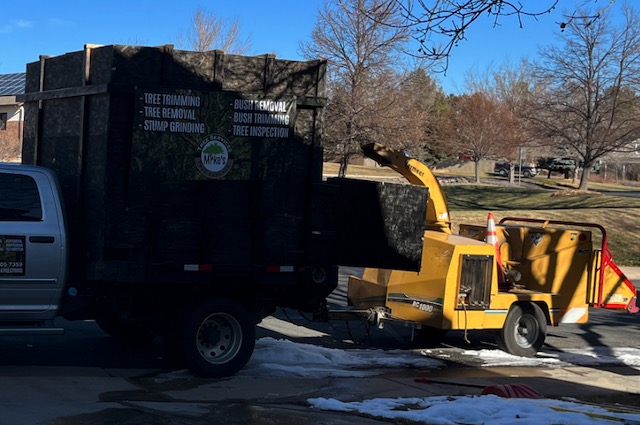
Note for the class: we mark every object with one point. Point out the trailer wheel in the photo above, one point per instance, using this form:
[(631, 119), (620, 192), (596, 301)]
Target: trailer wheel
[(218, 338), (524, 330), (127, 332)]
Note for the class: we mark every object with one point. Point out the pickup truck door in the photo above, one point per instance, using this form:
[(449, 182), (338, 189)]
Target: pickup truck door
[(32, 244)]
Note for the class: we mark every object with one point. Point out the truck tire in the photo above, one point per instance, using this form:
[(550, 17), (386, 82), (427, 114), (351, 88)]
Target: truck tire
[(526, 174), (127, 332), (524, 330), (503, 172), (218, 338)]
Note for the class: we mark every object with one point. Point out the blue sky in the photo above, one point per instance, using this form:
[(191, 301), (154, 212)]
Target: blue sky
[(54, 27)]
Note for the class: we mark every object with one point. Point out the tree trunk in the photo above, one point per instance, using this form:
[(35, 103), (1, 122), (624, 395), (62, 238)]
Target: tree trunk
[(477, 168), (344, 162), (584, 177)]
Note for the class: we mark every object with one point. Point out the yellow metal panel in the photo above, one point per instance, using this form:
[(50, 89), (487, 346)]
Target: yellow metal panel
[(553, 261), (555, 268), (468, 319), (364, 294), (430, 296)]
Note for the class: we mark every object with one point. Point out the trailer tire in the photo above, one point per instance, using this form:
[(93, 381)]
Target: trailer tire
[(126, 332), (218, 338), (524, 330)]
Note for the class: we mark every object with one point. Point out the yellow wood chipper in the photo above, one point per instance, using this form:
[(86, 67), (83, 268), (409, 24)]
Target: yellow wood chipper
[(539, 273)]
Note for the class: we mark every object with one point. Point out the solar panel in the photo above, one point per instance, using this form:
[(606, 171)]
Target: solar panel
[(12, 84)]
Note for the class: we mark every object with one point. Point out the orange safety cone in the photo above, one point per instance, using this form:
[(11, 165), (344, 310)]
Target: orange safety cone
[(492, 239)]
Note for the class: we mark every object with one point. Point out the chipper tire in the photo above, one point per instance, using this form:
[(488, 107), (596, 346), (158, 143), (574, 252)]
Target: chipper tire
[(524, 331), (218, 338)]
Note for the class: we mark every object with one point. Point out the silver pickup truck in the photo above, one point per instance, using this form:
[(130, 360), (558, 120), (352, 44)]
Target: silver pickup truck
[(33, 246)]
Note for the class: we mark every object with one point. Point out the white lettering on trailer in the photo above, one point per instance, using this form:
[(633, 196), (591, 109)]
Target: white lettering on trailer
[(155, 125), (179, 113), (181, 100), (274, 132), (423, 306)]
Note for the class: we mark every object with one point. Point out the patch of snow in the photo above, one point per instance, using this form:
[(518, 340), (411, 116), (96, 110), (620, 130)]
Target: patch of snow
[(280, 357), (471, 410), (578, 357)]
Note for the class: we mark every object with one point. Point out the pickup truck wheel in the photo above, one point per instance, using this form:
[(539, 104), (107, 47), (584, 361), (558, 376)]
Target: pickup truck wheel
[(218, 338), (526, 173), (524, 330), (127, 332), (503, 172)]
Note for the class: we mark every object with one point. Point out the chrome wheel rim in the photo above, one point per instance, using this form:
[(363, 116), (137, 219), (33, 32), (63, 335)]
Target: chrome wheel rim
[(219, 338)]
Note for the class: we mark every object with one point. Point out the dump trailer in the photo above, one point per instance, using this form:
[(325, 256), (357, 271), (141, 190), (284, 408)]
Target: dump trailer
[(535, 273), (180, 194)]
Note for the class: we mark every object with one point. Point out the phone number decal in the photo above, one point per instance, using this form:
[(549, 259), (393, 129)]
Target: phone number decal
[(12, 255)]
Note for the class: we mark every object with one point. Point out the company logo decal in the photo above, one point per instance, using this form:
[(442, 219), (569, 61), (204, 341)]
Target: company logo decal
[(213, 158)]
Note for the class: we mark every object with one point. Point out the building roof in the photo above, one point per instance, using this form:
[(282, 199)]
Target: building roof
[(12, 84)]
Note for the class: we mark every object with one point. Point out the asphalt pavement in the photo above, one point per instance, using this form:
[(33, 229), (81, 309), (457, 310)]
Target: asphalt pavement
[(82, 397), (90, 381)]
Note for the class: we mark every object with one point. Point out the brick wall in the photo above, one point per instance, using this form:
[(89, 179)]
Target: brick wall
[(11, 141)]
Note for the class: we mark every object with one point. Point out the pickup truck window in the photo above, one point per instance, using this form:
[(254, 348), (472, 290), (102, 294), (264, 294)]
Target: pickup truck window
[(19, 198)]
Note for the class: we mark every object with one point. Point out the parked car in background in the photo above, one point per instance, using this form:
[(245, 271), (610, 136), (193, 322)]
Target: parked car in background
[(503, 168), (563, 165)]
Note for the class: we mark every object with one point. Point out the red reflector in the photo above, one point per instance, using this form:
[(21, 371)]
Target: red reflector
[(280, 269)]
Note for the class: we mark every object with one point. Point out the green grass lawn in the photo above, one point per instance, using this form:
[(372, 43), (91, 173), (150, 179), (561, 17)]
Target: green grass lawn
[(619, 216)]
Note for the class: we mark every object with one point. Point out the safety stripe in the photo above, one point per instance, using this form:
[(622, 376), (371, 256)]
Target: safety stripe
[(574, 314), (280, 269), (198, 267)]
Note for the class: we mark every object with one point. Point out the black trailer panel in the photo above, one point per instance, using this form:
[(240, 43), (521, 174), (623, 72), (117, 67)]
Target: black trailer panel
[(173, 162), (178, 157)]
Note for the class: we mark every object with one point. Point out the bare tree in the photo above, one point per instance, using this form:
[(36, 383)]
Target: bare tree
[(209, 32), (510, 86), (419, 101), (589, 102), (439, 25), (360, 39), (484, 128)]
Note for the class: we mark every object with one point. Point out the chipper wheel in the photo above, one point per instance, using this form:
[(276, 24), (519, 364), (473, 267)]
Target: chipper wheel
[(218, 338), (524, 330)]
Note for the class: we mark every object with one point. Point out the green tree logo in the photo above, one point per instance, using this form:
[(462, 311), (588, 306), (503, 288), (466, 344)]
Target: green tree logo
[(214, 149)]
